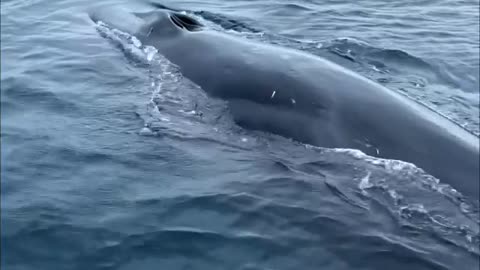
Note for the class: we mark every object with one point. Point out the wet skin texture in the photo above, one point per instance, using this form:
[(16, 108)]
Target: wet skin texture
[(307, 98)]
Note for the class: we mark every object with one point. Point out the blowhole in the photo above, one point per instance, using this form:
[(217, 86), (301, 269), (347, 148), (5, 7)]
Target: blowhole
[(185, 22)]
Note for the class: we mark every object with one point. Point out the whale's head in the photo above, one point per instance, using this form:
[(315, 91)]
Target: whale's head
[(147, 25)]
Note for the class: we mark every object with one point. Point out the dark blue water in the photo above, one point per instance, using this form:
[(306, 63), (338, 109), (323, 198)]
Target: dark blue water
[(112, 160)]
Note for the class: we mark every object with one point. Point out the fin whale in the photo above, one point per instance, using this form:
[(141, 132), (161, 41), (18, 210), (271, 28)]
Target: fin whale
[(307, 98)]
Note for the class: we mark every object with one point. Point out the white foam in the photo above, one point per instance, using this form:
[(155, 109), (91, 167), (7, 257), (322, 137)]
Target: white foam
[(146, 131), (129, 43), (388, 164), (151, 52), (365, 182)]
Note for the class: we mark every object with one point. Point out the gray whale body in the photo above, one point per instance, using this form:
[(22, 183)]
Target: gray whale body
[(307, 98)]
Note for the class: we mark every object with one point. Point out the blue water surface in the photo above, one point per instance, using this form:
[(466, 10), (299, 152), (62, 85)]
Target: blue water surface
[(111, 159)]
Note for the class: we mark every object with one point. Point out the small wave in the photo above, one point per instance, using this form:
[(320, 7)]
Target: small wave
[(413, 192), (360, 51), (293, 6), (19, 93), (290, 9), (102, 248)]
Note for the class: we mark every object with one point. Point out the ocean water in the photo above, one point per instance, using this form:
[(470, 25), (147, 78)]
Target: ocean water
[(111, 159)]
